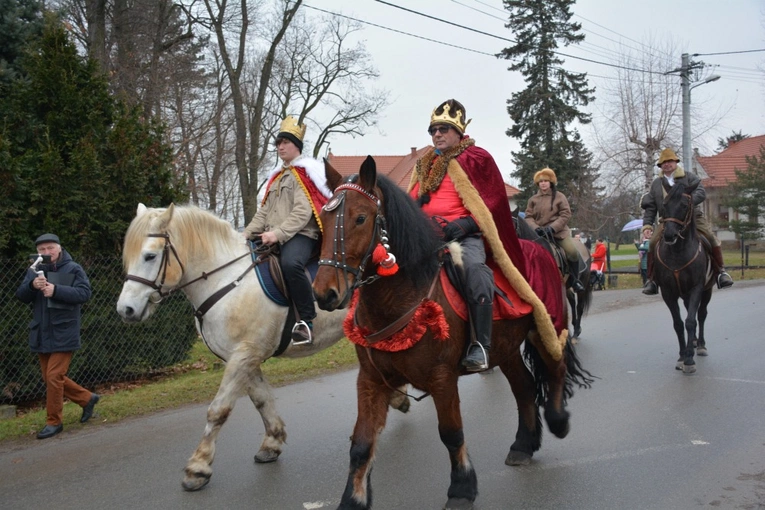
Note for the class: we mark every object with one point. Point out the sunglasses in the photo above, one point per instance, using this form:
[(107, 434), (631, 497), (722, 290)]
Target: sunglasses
[(441, 129)]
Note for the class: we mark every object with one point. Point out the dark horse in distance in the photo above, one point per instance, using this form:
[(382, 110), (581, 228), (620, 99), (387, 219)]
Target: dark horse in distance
[(578, 301), (683, 270), (365, 213)]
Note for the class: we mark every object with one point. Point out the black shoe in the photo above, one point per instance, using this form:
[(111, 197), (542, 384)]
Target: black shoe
[(724, 280), (650, 288), (477, 359), (302, 333), (50, 431), (87, 411), (577, 285)]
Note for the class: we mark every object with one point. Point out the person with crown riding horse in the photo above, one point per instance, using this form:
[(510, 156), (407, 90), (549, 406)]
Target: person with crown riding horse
[(651, 203), (460, 186), (289, 216)]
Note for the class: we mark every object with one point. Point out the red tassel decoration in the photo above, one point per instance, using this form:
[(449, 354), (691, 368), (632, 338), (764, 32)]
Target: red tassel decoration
[(387, 271), (379, 254)]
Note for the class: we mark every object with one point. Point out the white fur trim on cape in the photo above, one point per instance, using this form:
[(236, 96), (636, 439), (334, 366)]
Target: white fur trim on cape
[(314, 169)]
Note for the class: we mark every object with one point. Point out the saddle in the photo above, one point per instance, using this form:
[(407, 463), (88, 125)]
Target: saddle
[(268, 269), (506, 303), (559, 254)]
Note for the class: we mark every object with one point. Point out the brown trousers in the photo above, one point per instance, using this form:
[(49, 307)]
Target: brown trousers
[(54, 367)]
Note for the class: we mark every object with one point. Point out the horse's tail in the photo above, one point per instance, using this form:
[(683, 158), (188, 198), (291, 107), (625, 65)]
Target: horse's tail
[(575, 374)]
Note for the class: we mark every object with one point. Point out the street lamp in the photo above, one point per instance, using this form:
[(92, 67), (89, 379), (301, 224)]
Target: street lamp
[(685, 72)]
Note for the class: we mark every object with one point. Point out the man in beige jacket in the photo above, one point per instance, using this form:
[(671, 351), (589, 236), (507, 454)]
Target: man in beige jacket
[(289, 216)]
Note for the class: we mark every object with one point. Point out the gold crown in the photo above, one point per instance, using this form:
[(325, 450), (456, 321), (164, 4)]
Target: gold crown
[(290, 125), (455, 120)]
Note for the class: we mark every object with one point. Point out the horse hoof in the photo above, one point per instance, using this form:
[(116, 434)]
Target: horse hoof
[(194, 482), (689, 369), (516, 458), (458, 504), (679, 365), (702, 351), (577, 332), (266, 456)]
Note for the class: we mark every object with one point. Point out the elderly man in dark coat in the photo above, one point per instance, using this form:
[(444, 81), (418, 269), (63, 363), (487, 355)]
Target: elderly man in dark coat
[(55, 291)]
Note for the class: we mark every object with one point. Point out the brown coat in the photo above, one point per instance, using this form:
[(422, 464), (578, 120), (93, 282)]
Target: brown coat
[(540, 214)]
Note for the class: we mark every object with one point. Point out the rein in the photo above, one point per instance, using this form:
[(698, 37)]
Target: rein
[(684, 226), (210, 301)]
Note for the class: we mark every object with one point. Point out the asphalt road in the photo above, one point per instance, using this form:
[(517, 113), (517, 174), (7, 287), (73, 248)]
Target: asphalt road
[(644, 437)]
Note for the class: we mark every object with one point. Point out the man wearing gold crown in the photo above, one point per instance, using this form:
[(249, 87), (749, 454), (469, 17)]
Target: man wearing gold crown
[(461, 186), (289, 215), (651, 204)]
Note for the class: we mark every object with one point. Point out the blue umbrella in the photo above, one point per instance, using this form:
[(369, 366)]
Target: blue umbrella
[(633, 225)]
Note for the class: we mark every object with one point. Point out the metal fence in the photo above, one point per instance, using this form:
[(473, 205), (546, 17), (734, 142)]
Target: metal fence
[(112, 351)]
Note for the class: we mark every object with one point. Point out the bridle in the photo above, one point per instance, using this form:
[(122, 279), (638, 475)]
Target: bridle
[(162, 274), (162, 271), (339, 260), (686, 222)]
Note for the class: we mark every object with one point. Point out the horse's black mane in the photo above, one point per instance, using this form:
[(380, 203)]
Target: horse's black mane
[(676, 191), (413, 238)]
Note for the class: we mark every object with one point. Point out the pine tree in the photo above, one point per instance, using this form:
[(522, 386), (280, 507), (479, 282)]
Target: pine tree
[(746, 195), (75, 161), (551, 101)]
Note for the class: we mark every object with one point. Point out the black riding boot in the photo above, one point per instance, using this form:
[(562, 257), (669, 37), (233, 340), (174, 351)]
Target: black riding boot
[(650, 288), (573, 271), (477, 358), (723, 279)]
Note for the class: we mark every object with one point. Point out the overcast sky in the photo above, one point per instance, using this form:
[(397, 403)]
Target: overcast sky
[(419, 74)]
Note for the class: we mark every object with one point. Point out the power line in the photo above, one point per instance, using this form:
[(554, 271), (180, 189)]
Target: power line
[(728, 53), (511, 40), (398, 31)]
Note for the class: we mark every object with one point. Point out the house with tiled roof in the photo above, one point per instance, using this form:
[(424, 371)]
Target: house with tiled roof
[(397, 168), (720, 171)]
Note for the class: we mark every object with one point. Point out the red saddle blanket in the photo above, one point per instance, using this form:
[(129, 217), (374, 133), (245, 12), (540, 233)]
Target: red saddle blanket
[(509, 306)]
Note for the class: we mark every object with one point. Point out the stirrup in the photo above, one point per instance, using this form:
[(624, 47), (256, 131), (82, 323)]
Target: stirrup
[(650, 288), (724, 280), (473, 365), (301, 334)]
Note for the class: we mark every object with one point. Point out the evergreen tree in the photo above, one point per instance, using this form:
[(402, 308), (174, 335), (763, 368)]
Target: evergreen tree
[(77, 161), (724, 143), (551, 101), (20, 21), (747, 196)]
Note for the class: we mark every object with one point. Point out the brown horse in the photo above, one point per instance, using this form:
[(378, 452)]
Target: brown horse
[(365, 211)]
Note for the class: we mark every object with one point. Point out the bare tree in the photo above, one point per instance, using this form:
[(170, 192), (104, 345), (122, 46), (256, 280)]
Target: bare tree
[(641, 112)]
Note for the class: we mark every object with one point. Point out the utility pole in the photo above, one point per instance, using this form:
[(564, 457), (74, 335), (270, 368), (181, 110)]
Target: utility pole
[(686, 67)]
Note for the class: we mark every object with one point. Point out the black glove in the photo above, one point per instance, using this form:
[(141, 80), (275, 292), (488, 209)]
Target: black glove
[(460, 228), (549, 232), (540, 231)]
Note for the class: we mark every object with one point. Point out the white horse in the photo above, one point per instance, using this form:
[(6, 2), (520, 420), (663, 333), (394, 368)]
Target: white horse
[(189, 248)]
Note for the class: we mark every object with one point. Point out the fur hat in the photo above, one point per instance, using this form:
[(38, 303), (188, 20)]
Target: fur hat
[(291, 130), (452, 113), (547, 174), (667, 155), (47, 238)]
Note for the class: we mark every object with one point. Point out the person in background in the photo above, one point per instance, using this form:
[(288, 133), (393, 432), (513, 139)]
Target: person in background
[(599, 255), (289, 216), (548, 213), (643, 253), (55, 297), (651, 204)]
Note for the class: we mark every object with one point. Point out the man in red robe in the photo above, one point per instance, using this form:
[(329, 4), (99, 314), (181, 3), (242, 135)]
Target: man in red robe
[(460, 185)]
